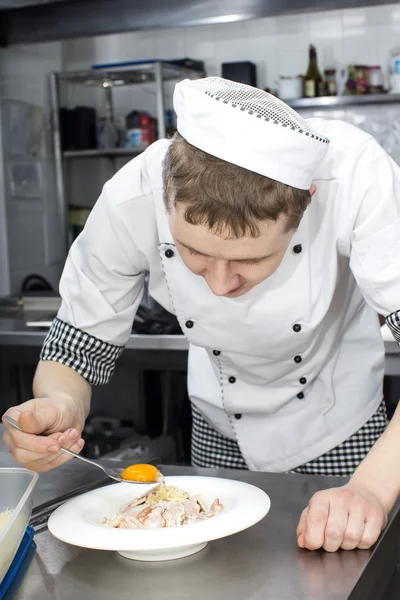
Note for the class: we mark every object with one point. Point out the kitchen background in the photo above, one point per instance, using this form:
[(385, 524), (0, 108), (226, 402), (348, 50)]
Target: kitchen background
[(277, 46), (32, 204)]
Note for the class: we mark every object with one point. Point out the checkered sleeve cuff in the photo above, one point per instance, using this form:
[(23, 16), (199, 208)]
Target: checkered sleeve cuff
[(89, 356), (393, 322)]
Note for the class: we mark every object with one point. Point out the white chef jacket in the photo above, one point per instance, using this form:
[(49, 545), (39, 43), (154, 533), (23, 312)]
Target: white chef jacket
[(314, 318)]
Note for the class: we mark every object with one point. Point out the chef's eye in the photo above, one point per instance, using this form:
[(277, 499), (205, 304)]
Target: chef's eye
[(193, 252), (251, 261)]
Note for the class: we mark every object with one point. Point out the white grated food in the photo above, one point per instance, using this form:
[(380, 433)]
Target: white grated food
[(4, 518)]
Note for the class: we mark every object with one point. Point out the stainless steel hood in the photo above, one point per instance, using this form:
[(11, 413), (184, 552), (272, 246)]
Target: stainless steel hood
[(22, 3), (28, 21)]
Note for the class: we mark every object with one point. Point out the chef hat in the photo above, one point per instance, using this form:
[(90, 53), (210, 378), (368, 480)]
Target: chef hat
[(248, 128)]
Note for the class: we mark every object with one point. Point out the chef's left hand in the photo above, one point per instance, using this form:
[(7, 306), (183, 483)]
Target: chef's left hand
[(347, 517)]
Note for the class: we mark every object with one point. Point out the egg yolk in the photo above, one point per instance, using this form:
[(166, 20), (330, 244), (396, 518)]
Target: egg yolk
[(147, 473)]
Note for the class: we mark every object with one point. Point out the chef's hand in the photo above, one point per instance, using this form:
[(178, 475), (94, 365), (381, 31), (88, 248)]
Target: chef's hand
[(49, 423), (347, 517)]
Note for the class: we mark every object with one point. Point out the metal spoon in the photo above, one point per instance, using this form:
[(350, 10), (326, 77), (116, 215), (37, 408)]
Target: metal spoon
[(112, 473)]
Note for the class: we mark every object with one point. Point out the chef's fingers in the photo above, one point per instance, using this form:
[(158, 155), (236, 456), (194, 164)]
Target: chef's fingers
[(301, 540), (40, 444), (40, 420), (45, 465), (317, 519), (354, 528), (337, 523), (374, 524), (22, 454), (302, 521), (28, 441), (38, 415), (47, 462), (39, 460), (301, 527)]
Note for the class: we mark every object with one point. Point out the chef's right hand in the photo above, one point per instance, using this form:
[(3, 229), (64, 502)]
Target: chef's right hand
[(47, 424)]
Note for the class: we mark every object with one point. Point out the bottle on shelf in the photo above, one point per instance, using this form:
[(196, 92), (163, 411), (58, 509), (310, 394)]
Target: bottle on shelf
[(313, 83), (107, 134)]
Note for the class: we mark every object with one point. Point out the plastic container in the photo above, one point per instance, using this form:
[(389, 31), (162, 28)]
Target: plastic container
[(290, 88), (16, 487)]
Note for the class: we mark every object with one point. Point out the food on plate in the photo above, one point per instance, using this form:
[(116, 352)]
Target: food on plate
[(4, 518), (163, 506), (147, 473)]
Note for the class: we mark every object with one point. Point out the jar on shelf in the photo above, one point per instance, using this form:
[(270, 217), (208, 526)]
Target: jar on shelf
[(375, 80), (351, 82), (290, 88), (330, 82), (361, 79)]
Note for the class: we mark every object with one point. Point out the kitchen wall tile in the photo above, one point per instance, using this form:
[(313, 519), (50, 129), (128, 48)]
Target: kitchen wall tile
[(47, 51), (146, 46), (107, 49), (170, 44), (379, 15), (325, 26), (26, 240), (265, 28), (381, 21), (292, 52), (395, 18), (292, 24), (200, 42), (360, 51), (231, 43), (354, 22), (81, 52), (118, 48), (262, 52), (23, 77)]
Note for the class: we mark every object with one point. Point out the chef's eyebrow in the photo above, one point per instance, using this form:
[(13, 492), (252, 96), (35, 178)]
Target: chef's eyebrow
[(258, 258)]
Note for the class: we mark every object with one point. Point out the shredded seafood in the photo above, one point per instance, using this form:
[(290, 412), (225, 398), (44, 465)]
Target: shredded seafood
[(163, 506)]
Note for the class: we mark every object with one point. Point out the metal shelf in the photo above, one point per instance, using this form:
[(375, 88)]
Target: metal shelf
[(333, 102), (107, 79), (142, 73), (107, 152)]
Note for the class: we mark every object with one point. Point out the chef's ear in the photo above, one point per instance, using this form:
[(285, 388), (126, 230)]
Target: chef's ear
[(313, 189)]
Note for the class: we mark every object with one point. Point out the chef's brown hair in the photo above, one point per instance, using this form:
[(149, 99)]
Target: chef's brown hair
[(223, 197)]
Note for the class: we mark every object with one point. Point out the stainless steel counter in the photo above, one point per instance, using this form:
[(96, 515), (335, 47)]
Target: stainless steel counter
[(16, 338), (15, 334), (262, 563)]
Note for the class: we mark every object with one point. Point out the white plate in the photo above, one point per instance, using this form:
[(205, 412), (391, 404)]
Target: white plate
[(76, 522)]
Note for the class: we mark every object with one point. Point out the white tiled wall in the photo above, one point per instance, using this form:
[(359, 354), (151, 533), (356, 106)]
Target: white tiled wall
[(23, 244), (277, 45)]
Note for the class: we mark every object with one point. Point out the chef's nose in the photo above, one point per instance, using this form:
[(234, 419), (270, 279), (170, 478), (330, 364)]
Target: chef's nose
[(220, 279)]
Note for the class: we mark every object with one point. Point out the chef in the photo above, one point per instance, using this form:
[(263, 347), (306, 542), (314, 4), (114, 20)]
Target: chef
[(276, 243)]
